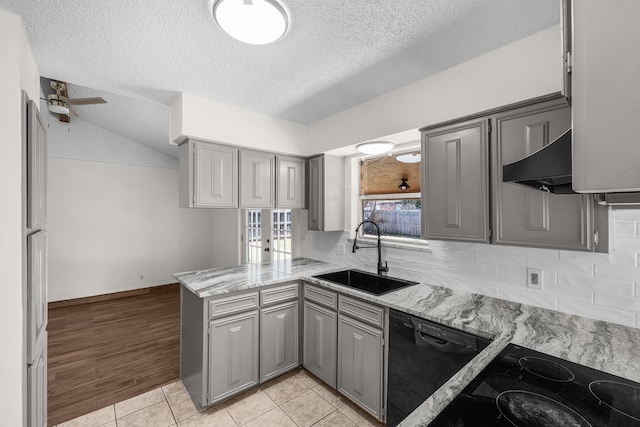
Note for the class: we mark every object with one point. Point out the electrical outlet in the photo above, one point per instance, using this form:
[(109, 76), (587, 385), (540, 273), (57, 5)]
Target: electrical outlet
[(534, 278), (305, 239), (340, 250), (142, 277)]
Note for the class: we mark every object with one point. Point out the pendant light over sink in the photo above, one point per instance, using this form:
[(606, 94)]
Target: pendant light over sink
[(251, 21)]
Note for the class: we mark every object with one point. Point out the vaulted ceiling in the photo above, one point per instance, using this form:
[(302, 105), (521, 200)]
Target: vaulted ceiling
[(335, 55)]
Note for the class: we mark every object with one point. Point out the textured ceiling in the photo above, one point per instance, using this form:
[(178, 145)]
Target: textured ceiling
[(335, 55)]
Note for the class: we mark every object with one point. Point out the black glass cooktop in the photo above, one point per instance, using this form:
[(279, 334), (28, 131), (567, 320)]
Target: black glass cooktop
[(525, 388)]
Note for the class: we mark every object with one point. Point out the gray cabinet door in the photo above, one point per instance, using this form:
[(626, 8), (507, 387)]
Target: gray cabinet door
[(257, 175), (316, 202), (233, 355), (326, 193), (360, 364), (529, 217), (320, 340), (215, 176), (37, 310), (37, 169), (279, 339), (290, 182), (455, 182), (605, 92), (37, 388)]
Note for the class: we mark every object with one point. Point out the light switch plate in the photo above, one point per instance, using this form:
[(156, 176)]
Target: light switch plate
[(534, 278)]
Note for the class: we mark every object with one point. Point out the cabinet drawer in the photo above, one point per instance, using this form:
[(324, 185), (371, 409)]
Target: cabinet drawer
[(321, 296), (279, 294), (232, 304), (360, 310)]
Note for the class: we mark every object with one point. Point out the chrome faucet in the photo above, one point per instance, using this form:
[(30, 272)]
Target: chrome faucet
[(381, 269)]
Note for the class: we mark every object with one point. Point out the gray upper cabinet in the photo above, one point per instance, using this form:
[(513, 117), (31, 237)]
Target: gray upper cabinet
[(278, 339), (320, 340), (233, 355), (326, 193), (257, 172), (528, 217), (290, 182), (604, 77), (37, 169), (208, 175), (455, 182)]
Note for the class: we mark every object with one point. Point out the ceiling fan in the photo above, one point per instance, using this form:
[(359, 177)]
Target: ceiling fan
[(60, 103)]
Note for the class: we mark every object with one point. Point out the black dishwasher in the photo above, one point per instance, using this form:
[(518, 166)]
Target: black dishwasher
[(423, 355)]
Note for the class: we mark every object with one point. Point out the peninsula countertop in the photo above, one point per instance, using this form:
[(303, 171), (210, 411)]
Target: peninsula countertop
[(224, 280), (598, 344)]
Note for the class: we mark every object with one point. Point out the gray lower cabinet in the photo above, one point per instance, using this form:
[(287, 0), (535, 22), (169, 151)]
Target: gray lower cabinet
[(37, 388), (233, 355), (320, 340), (455, 182), (360, 364), (528, 217), (278, 339)]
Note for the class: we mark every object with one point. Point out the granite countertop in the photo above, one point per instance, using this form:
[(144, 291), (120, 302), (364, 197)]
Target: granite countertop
[(224, 280), (598, 344)]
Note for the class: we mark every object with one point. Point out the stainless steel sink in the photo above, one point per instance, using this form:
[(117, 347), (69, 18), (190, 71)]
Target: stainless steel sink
[(366, 282)]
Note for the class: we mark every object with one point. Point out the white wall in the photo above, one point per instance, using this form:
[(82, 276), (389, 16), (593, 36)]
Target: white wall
[(18, 71), (84, 140), (600, 286), (525, 69), (111, 223), (210, 120)]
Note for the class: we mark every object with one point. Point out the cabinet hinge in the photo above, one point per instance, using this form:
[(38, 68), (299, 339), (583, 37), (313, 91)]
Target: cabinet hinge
[(595, 237), (489, 126), (569, 62)]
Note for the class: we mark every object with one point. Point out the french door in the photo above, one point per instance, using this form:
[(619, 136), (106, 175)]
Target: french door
[(268, 235)]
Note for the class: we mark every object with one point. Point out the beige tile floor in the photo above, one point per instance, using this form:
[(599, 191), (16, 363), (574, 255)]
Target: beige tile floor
[(295, 399)]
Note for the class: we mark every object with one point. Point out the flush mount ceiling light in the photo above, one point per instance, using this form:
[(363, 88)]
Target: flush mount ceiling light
[(375, 147), (251, 21), (409, 158)]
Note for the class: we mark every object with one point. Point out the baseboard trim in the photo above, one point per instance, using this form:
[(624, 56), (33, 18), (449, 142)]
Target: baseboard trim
[(104, 297)]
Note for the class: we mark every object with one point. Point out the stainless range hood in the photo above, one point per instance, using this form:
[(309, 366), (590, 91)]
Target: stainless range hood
[(549, 169)]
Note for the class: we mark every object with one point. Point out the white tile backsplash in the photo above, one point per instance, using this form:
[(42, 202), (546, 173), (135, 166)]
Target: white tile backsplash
[(600, 286), (624, 229)]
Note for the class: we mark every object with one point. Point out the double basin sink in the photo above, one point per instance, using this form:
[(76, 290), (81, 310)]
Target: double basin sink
[(366, 282)]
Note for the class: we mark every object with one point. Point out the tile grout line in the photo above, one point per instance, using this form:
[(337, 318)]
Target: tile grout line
[(166, 398)]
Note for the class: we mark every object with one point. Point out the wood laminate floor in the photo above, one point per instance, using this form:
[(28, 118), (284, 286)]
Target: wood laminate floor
[(104, 352)]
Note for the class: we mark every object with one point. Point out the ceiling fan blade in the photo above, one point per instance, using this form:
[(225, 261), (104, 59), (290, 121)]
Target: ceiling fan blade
[(86, 101), (64, 118)]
